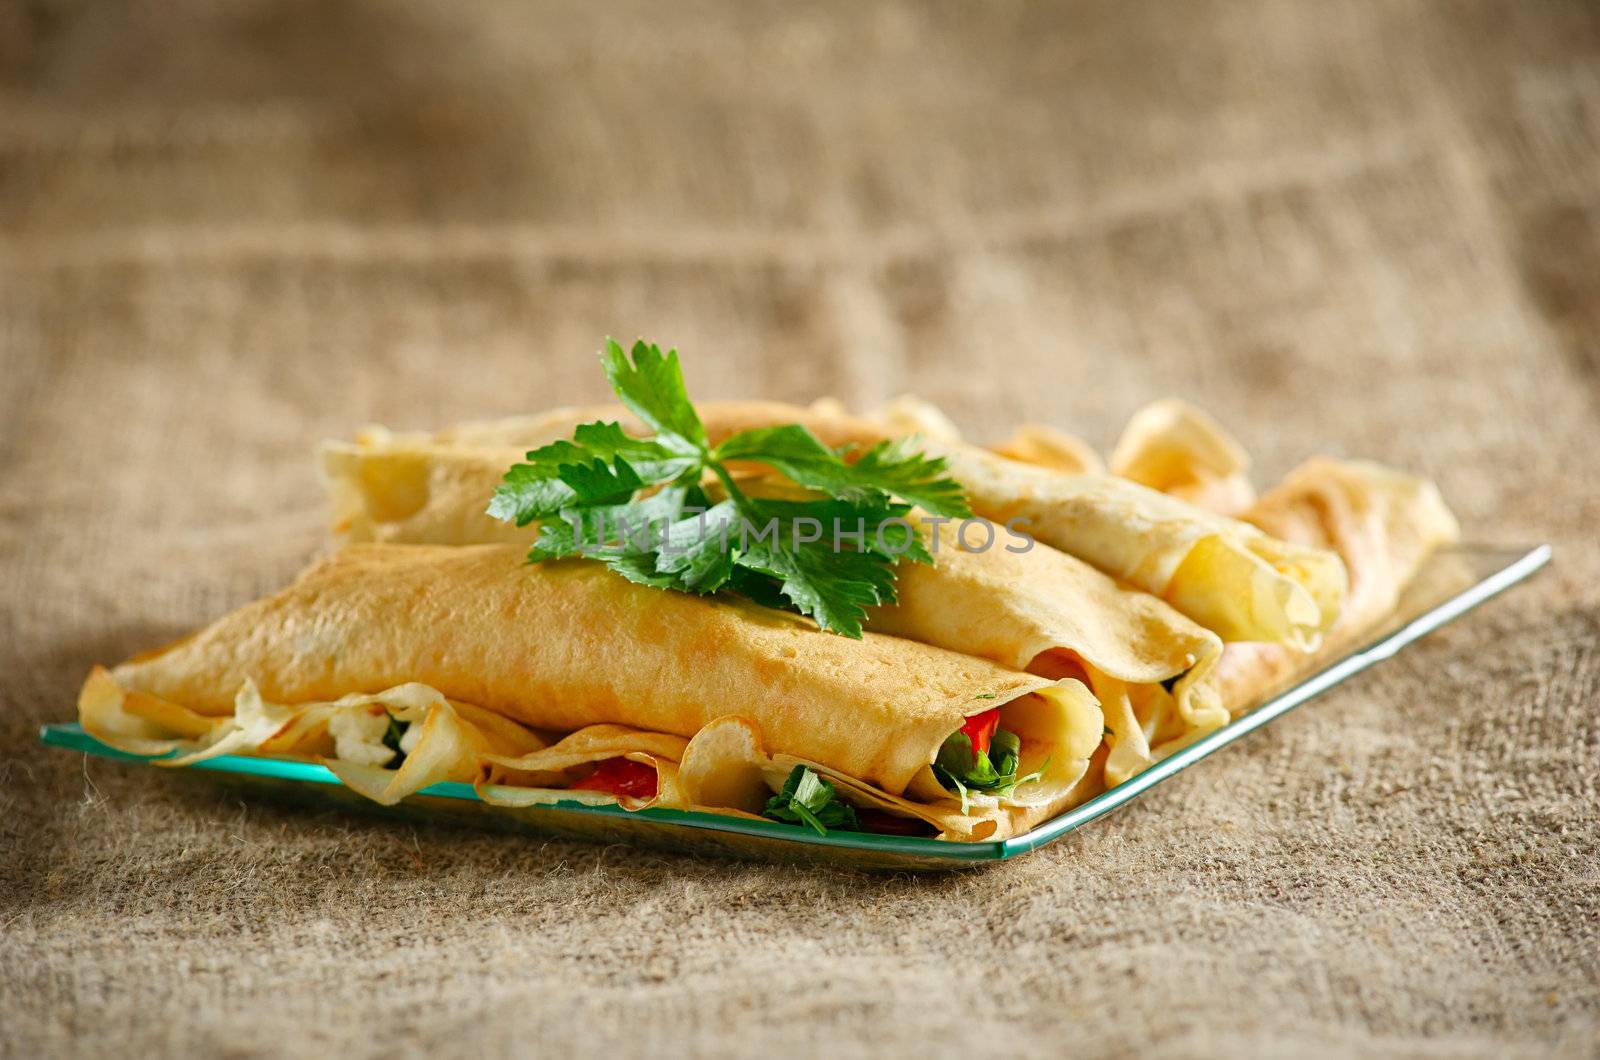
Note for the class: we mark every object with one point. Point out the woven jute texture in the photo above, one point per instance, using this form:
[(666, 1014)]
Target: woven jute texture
[(230, 229)]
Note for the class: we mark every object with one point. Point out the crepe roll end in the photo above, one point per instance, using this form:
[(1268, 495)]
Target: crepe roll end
[(1060, 727), (722, 766), (447, 749), (1292, 596)]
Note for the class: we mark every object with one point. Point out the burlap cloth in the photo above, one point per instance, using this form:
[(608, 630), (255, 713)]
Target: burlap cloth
[(232, 229)]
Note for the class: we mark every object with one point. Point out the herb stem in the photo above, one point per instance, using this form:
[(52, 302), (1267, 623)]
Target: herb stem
[(735, 494)]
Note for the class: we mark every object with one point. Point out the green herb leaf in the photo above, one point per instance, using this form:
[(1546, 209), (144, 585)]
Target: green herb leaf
[(888, 468), (833, 588), (652, 388), (1004, 742), (877, 526), (992, 772), (955, 754), (598, 482), (635, 504), (601, 465), (528, 492), (640, 567), (601, 531), (761, 588), (795, 451), (895, 466), (810, 800), (1005, 752), (699, 549)]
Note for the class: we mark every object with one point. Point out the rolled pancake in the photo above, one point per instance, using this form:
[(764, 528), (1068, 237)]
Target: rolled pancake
[(431, 487), (1040, 610), (1224, 574), (1382, 522), (562, 646), (728, 764), (1051, 614), (509, 764)]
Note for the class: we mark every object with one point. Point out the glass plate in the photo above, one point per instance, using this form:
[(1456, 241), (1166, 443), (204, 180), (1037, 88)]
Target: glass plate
[(1452, 583)]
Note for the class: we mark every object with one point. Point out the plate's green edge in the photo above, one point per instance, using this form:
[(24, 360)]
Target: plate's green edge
[(72, 737)]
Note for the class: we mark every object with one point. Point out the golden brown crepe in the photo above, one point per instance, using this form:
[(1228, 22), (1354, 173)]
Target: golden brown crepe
[(384, 488), (562, 646), (994, 592), (1099, 645), (1039, 610), (1051, 614), (1382, 522), (1030, 607), (1224, 574)]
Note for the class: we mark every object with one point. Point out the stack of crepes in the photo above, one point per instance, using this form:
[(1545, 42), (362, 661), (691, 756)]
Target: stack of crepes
[(1159, 597)]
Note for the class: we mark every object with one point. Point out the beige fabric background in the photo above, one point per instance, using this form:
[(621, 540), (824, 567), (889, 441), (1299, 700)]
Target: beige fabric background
[(227, 230)]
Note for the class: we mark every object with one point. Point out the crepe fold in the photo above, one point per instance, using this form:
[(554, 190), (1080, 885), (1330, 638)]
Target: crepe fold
[(561, 647), (546, 775), (1226, 575), (1382, 523), (432, 487), (439, 739), (1040, 610)]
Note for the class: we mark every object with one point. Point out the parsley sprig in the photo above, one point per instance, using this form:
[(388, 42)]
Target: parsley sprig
[(643, 506), (810, 800), (994, 772)]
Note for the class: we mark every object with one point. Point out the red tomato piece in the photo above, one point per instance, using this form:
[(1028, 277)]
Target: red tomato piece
[(621, 777), (980, 729)]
